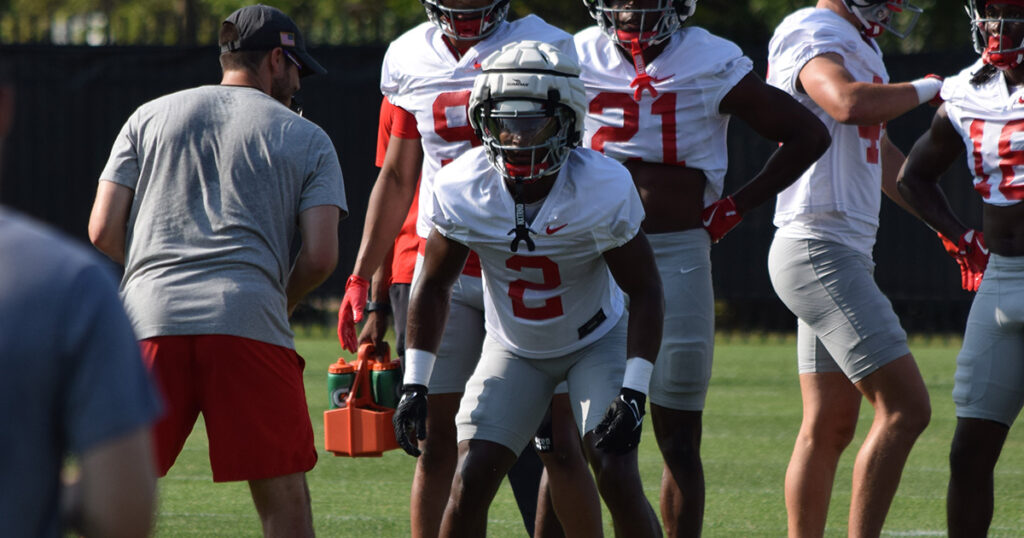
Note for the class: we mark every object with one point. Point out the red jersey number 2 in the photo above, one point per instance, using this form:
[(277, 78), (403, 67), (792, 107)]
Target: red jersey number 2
[(552, 307), (871, 133)]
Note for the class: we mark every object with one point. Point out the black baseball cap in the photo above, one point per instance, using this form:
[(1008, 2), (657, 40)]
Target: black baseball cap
[(263, 27)]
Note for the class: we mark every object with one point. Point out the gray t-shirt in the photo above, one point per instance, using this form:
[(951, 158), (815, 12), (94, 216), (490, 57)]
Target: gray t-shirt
[(220, 174), (71, 375)]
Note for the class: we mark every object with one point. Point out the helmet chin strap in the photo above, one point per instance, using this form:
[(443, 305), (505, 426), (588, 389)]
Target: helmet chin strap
[(642, 81), (522, 231)]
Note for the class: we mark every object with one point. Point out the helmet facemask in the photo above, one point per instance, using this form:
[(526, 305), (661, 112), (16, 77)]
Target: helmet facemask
[(999, 40), (526, 140), (647, 26), (898, 17), (466, 24)]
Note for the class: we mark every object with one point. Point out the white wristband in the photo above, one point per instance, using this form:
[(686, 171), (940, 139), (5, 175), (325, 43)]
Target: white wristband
[(418, 366), (927, 88), (638, 374)]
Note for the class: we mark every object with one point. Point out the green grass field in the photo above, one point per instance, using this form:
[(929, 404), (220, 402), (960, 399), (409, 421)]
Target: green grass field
[(752, 416)]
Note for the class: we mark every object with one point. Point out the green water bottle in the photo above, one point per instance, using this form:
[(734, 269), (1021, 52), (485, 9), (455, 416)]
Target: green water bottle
[(339, 382), (386, 382)]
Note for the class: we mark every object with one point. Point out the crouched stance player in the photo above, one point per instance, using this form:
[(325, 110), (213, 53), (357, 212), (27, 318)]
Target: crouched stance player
[(553, 305)]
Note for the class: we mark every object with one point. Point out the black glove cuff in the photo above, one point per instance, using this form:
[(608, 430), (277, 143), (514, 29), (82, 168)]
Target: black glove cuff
[(630, 394), (414, 389)]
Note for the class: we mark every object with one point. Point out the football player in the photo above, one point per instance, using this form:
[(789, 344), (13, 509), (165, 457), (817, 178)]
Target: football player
[(850, 345), (427, 76), (553, 310), (659, 98), (982, 113)]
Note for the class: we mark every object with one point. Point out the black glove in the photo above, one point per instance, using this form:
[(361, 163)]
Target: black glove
[(411, 415), (619, 430)]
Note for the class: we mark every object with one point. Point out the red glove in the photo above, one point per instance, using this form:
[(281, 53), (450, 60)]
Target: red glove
[(720, 217), (357, 289), (972, 256)]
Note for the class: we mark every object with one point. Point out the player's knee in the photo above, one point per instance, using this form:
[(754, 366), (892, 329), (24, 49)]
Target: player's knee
[(471, 490), (613, 471), (438, 456), (912, 418), (966, 461), (828, 435), (681, 449)]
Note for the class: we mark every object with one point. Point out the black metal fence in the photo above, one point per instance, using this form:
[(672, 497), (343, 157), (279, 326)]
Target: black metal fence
[(73, 100), (95, 28)]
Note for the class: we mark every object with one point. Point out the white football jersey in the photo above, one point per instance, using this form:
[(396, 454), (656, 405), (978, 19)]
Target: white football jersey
[(838, 198), (990, 120), (421, 75), (561, 296), (681, 124)]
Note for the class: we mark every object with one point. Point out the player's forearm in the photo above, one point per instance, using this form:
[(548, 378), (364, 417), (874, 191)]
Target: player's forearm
[(930, 204), (388, 206), (428, 312), (646, 317), (381, 282), (310, 270), (116, 493), (892, 162), (863, 103), (785, 166)]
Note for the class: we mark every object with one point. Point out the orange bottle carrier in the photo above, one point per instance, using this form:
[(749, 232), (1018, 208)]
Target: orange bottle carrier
[(361, 428)]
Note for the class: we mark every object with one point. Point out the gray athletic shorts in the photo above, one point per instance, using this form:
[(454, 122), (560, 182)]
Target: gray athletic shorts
[(463, 335), (508, 395), (399, 294), (845, 322), (683, 369), (990, 368)]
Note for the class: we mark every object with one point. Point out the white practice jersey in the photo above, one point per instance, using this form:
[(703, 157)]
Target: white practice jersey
[(422, 76), (561, 296), (839, 196), (990, 120), (680, 125)]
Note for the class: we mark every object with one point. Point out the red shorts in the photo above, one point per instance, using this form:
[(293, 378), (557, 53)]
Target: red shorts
[(252, 399)]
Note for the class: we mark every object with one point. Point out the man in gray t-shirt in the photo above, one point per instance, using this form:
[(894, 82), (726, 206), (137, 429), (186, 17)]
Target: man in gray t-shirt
[(71, 382), (201, 196)]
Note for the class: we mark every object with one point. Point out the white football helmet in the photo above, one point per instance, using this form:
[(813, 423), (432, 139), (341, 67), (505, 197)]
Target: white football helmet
[(877, 16), (655, 25), (996, 48), (527, 106), (466, 24)]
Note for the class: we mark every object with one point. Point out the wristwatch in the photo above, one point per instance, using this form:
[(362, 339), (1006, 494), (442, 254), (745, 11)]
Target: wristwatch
[(373, 306)]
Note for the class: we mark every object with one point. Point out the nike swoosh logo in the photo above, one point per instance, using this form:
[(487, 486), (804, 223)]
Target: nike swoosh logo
[(711, 217), (657, 80), (984, 250), (551, 230)]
